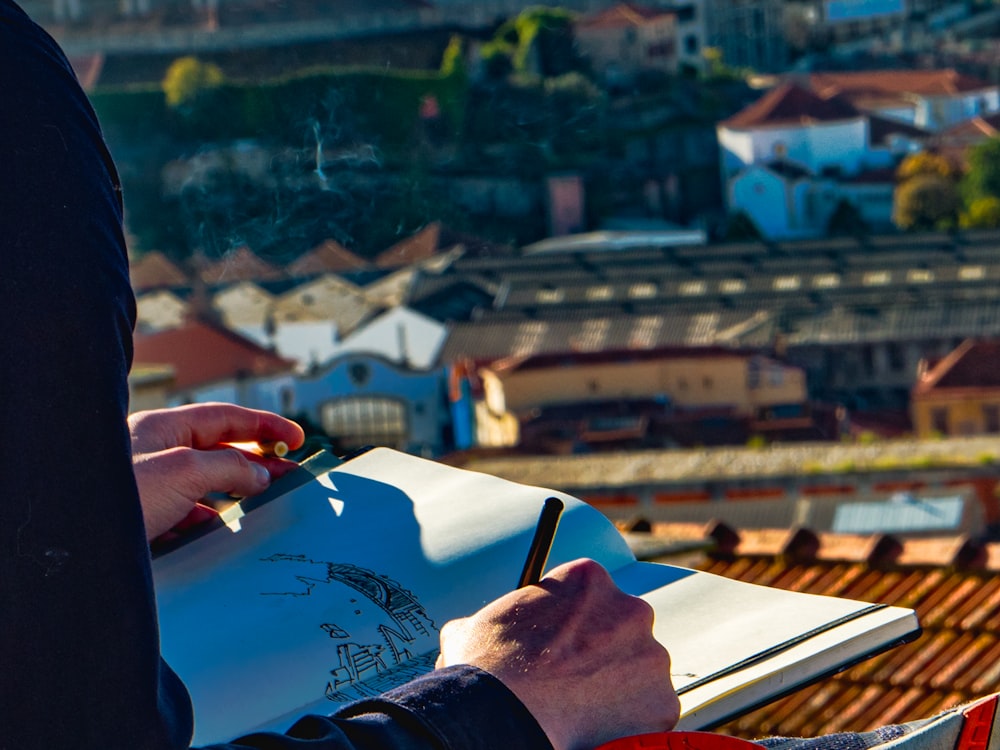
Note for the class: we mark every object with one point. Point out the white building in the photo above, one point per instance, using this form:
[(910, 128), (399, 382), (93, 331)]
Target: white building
[(789, 159)]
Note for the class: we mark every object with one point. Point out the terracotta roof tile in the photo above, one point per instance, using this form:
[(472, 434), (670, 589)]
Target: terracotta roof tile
[(977, 128), (154, 270), (882, 83), (622, 15), (970, 365), (420, 246), (202, 354), (329, 257), (790, 103), (956, 595)]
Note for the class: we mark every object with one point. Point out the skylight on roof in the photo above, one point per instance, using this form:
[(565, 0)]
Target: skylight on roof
[(732, 286), (549, 296), (826, 281), (642, 290), (902, 513), (692, 288), (593, 335), (972, 273), (529, 337), (787, 283), (645, 331), (602, 292), (877, 278), (919, 276)]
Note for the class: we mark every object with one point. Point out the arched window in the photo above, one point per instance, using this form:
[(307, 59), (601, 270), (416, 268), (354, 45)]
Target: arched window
[(355, 421)]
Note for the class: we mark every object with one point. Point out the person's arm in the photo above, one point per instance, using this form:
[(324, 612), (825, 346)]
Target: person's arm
[(79, 661)]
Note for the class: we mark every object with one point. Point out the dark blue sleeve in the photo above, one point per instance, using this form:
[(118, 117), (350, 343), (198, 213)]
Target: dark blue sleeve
[(78, 634), (459, 708), (79, 649)]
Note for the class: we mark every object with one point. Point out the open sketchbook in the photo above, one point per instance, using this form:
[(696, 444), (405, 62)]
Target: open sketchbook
[(339, 578)]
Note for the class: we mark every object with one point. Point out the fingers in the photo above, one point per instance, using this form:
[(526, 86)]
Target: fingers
[(198, 472), (172, 481), (206, 425), (574, 635)]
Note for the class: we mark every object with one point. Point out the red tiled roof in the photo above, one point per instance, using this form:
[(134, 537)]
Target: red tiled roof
[(791, 104), (155, 271), (329, 257), (202, 354), (980, 127), (620, 16), (892, 83), (973, 364), (420, 246), (951, 582), (240, 265)]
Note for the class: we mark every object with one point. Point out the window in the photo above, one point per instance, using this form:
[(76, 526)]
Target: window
[(366, 420), (939, 420), (991, 419)]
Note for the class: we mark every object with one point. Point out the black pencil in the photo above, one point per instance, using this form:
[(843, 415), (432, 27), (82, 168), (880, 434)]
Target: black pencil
[(541, 543)]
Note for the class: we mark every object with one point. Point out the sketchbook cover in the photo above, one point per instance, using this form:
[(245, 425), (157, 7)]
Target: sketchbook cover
[(334, 585)]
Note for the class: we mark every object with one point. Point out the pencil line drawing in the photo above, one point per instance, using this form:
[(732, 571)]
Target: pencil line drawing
[(366, 668)]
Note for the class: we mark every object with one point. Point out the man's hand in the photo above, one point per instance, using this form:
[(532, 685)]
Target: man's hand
[(577, 651), (178, 457)]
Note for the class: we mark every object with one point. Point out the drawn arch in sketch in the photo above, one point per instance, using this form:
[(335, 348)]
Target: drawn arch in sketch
[(373, 654)]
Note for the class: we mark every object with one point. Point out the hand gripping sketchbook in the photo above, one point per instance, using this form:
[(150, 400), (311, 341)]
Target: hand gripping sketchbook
[(334, 585)]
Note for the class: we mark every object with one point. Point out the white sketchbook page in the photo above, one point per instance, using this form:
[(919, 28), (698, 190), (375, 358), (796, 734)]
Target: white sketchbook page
[(709, 623), (341, 585)]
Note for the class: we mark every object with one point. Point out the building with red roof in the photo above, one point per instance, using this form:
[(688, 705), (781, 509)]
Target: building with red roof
[(154, 270), (327, 257), (960, 393), (627, 38), (792, 158), (212, 363), (929, 99)]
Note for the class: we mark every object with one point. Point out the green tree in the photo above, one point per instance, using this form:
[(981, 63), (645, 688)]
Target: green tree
[(983, 213), (453, 58), (538, 38), (983, 176), (925, 163), (187, 78), (926, 201)]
